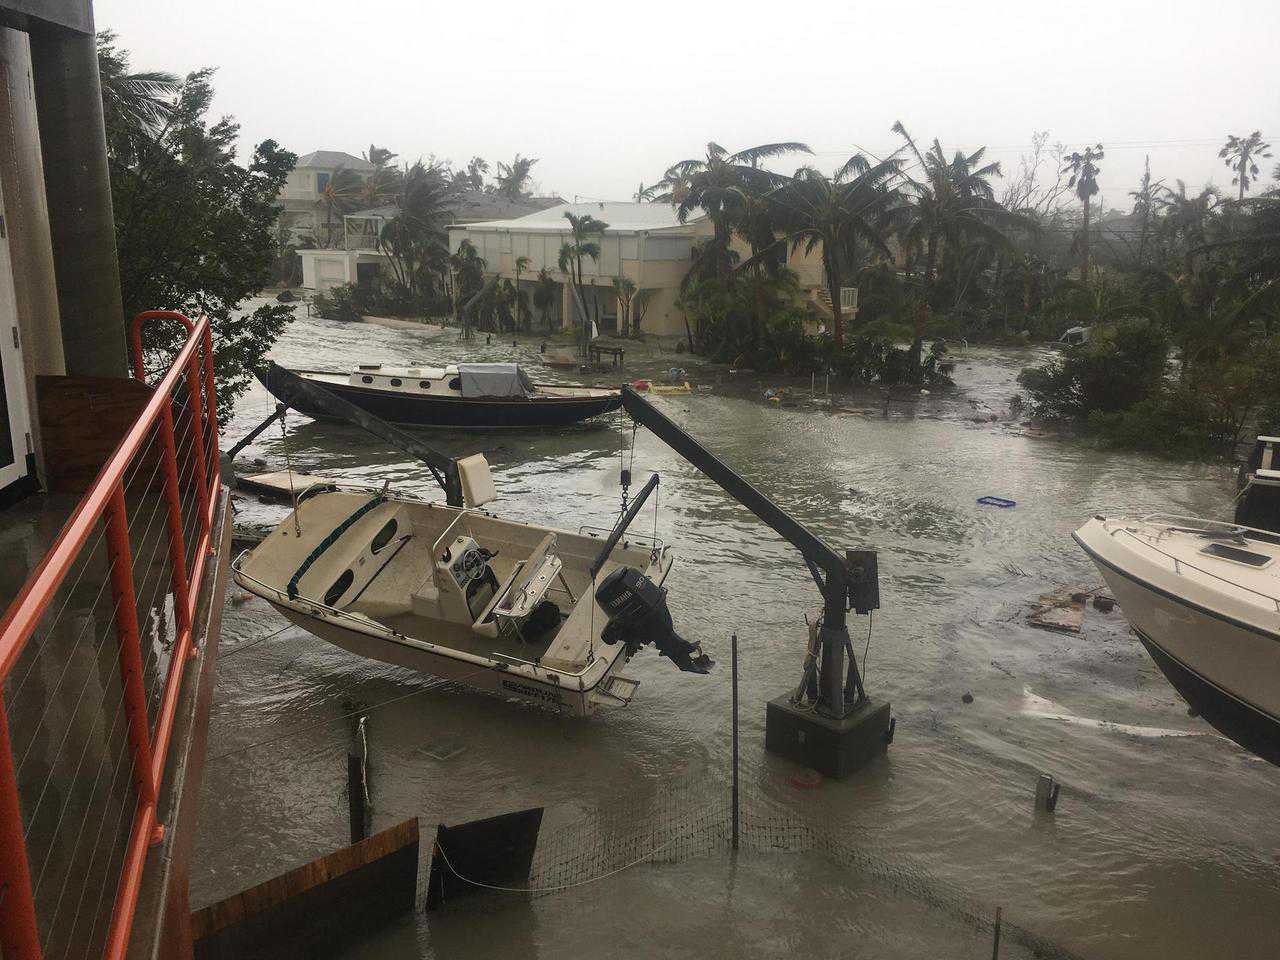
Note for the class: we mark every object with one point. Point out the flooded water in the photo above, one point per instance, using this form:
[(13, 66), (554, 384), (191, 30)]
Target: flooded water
[(1165, 840)]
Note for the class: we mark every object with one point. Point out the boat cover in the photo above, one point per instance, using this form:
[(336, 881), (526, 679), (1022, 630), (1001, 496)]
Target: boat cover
[(494, 380)]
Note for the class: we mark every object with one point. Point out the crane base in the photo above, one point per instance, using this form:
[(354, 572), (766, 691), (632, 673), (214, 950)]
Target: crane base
[(833, 747)]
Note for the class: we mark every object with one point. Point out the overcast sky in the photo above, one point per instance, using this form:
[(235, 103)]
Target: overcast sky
[(607, 95)]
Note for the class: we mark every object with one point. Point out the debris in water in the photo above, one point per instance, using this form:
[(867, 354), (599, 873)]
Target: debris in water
[(967, 698), (1058, 611), (1047, 790), (990, 501), (1104, 603)]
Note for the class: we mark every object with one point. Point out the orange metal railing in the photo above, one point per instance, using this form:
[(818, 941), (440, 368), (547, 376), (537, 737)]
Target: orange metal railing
[(125, 646)]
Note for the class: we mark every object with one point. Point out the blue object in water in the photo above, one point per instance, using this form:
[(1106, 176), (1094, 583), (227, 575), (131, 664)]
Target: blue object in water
[(997, 502)]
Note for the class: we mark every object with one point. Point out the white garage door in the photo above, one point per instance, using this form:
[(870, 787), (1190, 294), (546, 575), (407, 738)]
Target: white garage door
[(330, 272)]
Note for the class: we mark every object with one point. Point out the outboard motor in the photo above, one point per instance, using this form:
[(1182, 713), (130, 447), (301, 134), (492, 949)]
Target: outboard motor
[(638, 614)]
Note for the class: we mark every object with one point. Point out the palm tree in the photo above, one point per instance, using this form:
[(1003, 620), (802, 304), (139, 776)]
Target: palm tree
[(953, 203), (544, 295), (1186, 219), (521, 264), (1241, 155), (625, 289), (341, 195), (513, 177), (582, 229), (715, 184), (133, 104), (467, 267), (1084, 171), (414, 240), (1145, 199), (840, 213)]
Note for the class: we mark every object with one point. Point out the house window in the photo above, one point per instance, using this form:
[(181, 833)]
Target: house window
[(322, 181)]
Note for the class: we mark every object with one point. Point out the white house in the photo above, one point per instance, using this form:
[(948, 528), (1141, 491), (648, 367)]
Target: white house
[(645, 242), (301, 197)]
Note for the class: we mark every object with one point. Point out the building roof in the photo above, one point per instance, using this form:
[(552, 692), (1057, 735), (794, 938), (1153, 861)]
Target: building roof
[(473, 205), (621, 217), (387, 210), (335, 159)]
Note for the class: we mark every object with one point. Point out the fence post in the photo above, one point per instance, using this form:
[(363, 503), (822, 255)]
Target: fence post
[(177, 543), (995, 942), (19, 937), (130, 655), (198, 409), (733, 642)]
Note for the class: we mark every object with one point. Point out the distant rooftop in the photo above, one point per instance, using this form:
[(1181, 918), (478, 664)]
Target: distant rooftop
[(471, 205), (334, 159), (619, 216)]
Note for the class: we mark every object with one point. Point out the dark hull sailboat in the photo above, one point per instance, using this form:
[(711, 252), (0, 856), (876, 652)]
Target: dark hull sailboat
[(468, 396)]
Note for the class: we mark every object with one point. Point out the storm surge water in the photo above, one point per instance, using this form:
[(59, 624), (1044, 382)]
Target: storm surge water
[(1163, 828)]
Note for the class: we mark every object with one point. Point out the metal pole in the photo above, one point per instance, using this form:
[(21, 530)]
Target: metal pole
[(734, 647), (177, 542), (196, 409), (129, 652), (19, 937)]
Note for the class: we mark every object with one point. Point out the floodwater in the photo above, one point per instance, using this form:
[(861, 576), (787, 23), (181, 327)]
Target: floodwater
[(1164, 844)]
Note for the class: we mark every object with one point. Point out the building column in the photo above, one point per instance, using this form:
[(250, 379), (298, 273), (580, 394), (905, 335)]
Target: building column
[(73, 140), (26, 222)]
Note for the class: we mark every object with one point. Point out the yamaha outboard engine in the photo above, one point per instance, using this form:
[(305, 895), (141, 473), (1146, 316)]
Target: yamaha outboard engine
[(638, 614)]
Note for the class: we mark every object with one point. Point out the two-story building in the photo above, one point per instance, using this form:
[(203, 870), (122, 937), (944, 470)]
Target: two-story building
[(644, 242), (302, 197)]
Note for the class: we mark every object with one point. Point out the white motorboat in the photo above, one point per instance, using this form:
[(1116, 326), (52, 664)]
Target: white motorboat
[(1204, 599), (523, 611)]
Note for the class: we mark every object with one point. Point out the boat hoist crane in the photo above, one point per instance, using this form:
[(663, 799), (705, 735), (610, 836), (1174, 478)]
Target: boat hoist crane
[(828, 722)]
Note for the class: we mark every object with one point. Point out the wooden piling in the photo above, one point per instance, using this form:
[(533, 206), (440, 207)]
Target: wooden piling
[(995, 940), (357, 782)]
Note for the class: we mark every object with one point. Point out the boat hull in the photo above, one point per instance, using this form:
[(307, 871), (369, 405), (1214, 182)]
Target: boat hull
[(417, 410), (567, 694), (1241, 722), (1226, 668)]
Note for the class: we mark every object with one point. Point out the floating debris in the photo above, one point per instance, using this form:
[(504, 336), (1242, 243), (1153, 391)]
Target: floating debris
[(1058, 611)]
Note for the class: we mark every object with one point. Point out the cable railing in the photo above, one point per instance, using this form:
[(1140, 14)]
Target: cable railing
[(92, 655)]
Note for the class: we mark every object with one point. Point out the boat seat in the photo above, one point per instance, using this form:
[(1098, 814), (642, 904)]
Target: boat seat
[(580, 633), (486, 615), (425, 600), (540, 571)]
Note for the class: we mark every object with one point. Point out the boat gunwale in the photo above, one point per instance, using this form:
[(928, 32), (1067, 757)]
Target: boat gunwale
[(1179, 561), (376, 630), (603, 393), (1169, 595)]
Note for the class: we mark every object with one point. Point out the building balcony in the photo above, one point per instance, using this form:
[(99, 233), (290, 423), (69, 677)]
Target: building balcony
[(112, 597)]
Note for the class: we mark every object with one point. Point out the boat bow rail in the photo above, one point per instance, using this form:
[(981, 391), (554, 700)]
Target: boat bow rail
[(1117, 526), (92, 656)]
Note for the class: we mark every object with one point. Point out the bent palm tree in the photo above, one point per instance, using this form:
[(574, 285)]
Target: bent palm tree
[(716, 183), (952, 203), (839, 212)]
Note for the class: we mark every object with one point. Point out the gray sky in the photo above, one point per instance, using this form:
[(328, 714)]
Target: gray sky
[(608, 95)]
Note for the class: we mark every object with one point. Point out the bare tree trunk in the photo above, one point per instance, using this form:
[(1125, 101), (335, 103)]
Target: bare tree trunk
[(1084, 245)]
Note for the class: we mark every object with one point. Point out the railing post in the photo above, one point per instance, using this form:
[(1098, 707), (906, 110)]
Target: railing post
[(19, 937), (177, 543), (130, 650), (198, 409)]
